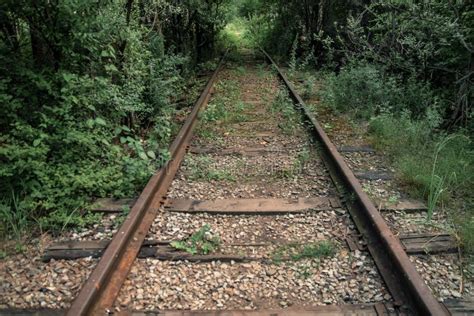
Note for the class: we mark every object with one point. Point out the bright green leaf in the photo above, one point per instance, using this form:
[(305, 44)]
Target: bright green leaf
[(142, 155), (151, 154), (100, 121)]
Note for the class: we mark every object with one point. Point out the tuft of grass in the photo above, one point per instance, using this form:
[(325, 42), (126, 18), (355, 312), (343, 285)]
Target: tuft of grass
[(240, 70), (436, 167), (14, 217), (296, 252), (201, 168), (289, 117), (201, 242), (309, 87), (296, 167)]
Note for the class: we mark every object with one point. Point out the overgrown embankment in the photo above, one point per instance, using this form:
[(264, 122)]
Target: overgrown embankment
[(89, 92), (403, 67)]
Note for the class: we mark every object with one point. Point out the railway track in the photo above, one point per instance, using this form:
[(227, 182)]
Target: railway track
[(276, 204)]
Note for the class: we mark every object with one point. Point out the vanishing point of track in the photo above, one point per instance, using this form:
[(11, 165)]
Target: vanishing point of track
[(409, 292)]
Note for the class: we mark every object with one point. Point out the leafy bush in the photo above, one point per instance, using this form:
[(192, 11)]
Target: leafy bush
[(365, 90), (282, 104), (87, 95)]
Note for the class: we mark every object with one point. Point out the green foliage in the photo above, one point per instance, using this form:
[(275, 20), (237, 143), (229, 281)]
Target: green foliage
[(236, 35), (365, 90), (223, 107), (87, 93), (15, 216), (467, 233), (283, 104), (296, 167), (414, 47), (302, 158), (309, 87), (430, 42), (201, 242), (435, 166), (298, 252), (201, 168)]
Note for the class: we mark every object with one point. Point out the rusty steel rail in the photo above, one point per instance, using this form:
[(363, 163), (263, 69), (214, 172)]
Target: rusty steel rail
[(98, 294), (400, 275)]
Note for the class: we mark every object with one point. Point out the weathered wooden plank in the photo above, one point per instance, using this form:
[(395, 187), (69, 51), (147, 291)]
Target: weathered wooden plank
[(405, 205), (253, 206), (429, 243), (79, 245), (373, 175), (460, 307), (245, 151), (75, 249), (112, 205), (356, 149), (161, 254), (416, 244), (32, 312), (324, 310), (117, 205), (179, 205), (254, 135)]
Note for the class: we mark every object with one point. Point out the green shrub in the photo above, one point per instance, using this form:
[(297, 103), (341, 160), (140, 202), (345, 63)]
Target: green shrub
[(93, 120), (284, 105), (365, 90), (437, 167)]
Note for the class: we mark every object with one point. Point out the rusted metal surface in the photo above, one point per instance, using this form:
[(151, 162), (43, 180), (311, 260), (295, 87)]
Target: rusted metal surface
[(400, 275), (252, 206), (99, 292)]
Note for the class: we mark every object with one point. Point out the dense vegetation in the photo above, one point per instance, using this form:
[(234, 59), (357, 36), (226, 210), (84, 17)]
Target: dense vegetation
[(89, 90), (404, 66), (87, 93)]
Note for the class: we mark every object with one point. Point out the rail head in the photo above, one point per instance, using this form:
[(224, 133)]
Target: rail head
[(399, 273)]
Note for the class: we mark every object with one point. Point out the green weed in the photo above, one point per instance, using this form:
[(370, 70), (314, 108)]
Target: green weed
[(304, 272), (436, 167), (308, 87), (240, 70), (14, 216), (201, 168), (364, 90), (298, 252), (284, 106), (201, 242)]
